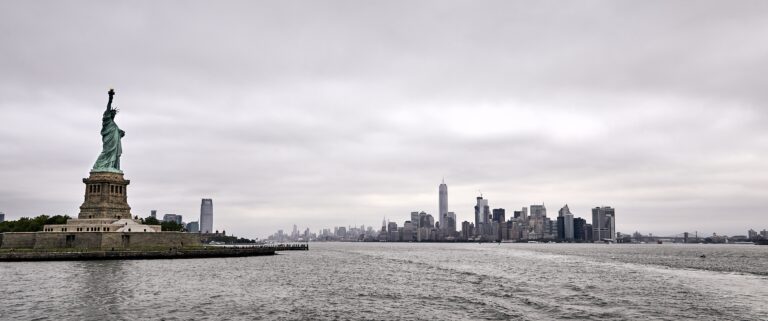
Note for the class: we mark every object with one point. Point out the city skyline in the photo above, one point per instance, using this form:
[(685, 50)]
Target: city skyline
[(340, 113)]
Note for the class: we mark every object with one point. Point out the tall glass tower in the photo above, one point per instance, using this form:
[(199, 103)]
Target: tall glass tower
[(443, 204), (206, 216)]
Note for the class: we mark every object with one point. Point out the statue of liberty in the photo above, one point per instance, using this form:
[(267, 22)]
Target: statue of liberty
[(111, 149)]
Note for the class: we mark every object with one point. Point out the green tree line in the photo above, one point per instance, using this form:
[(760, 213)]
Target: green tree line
[(26, 224)]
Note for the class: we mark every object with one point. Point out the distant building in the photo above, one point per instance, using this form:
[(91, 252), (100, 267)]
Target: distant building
[(2, 217), (443, 205), (172, 218), (499, 215), (603, 223), (466, 230), (408, 230), (153, 213), (538, 211), (193, 227), (580, 230), (450, 221), (482, 212), (426, 220), (394, 234), (206, 216), (567, 216)]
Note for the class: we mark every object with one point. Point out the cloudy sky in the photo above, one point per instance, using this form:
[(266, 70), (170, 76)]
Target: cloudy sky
[(324, 113)]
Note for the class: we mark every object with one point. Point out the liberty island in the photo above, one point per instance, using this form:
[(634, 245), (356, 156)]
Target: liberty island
[(105, 227)]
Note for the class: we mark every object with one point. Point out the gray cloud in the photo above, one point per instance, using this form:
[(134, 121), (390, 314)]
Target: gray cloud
[(342, 112)]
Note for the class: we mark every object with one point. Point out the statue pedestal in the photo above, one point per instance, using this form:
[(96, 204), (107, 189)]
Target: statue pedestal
[(106, 197)]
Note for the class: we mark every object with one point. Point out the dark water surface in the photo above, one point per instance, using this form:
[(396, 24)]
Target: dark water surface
[(397, 281)]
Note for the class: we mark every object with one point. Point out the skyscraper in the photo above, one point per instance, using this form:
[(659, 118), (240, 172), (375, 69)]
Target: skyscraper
[(415, 219), (2, 217), (450, 222), (482, 211), (443, 204), (565, 212), (206, 216), (499, 215), (538, 211), (579, 229), (603, 223)]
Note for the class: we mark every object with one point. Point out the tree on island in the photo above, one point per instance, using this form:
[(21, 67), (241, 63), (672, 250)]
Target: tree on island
[(26, 224), (149, 220)]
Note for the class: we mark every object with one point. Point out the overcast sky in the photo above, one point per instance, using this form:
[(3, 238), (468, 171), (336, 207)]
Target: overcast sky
[(324, 113)]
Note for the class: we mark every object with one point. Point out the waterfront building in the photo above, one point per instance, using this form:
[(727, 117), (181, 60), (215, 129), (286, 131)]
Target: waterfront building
[(579, 229), (193, 227), (499, 223), (603, 223), (565, 212), (393, 235), (482, 212), (408, 230), (443, 204), (537, 222), (206, 215)]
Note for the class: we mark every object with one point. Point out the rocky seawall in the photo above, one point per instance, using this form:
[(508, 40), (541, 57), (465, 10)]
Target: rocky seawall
[(136, 254)]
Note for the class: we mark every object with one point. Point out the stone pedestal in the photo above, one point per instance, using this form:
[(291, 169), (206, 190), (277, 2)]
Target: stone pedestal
[(106, 197)]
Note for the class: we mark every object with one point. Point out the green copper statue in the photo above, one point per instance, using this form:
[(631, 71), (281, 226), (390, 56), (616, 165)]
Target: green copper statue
[(111, 149)]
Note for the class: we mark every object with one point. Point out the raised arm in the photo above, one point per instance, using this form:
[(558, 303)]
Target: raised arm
[(111, 93)]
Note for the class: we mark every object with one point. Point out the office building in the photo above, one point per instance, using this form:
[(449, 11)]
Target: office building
[(450, 221), (443, 204), (482, 212), (538, 211), (466, 230), (193, 227), (415, 219), (172, 218), (603, 223), (394, 234), (206, 216), (567, 216), (499, 215), (579, 230)]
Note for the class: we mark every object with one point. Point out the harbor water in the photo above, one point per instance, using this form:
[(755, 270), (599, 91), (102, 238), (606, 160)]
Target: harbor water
[(404, 281)]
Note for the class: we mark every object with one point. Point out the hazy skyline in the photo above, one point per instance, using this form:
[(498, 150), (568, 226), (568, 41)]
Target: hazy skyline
[(344, 112)]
